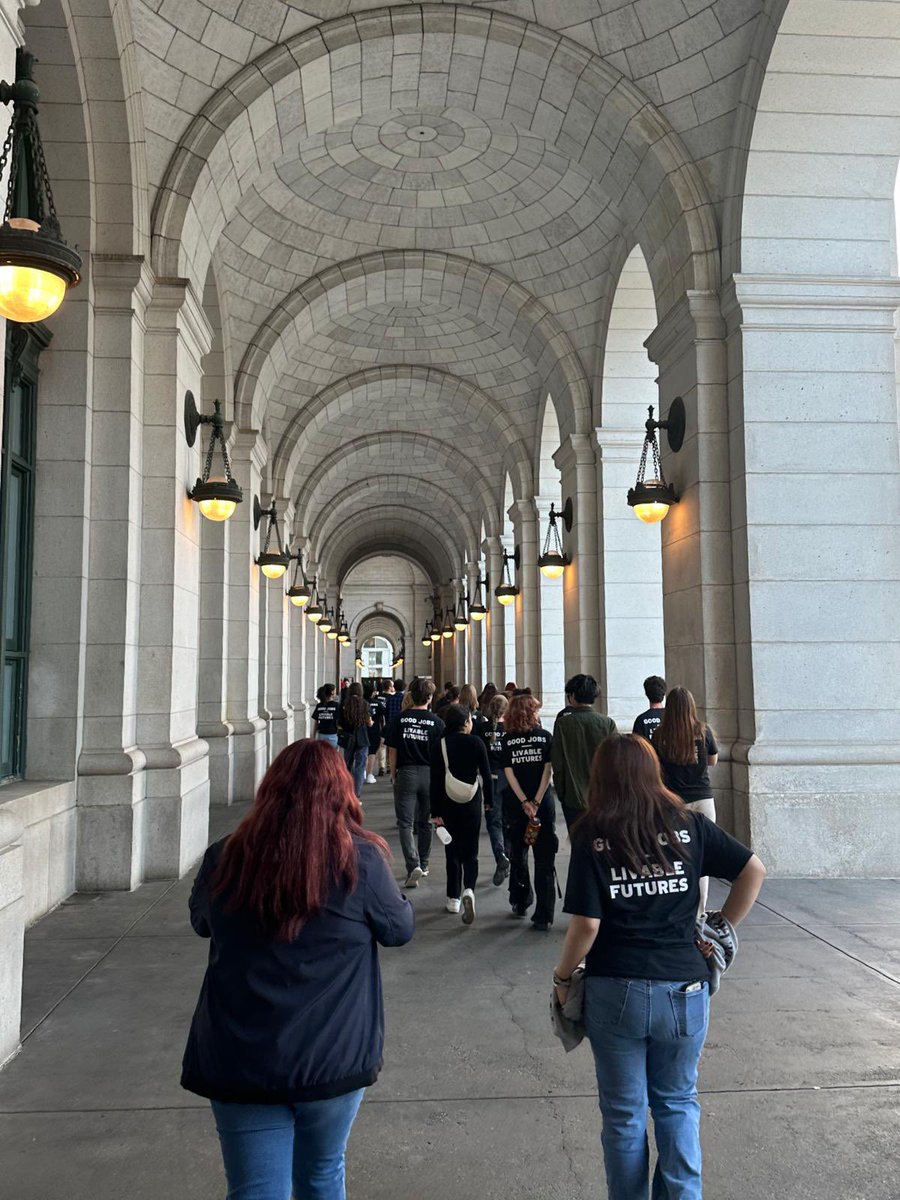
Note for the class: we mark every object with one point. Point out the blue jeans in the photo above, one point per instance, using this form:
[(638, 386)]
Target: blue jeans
[(330, 738), (355, 758), (268, 1148), (647, 1036), (493, 819)]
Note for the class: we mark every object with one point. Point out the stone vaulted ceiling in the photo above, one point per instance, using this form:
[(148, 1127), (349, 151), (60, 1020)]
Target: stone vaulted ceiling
[(414, 225)]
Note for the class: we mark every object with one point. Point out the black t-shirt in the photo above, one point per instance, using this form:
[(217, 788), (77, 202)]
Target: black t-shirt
[(526, 754), (492, 735), (690, 781), (647, 921), (377, 714), (326, 715), (411, 734), (648, 723)]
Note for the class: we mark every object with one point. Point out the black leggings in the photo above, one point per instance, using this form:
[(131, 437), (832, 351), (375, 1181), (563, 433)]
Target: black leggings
[(463, 823)]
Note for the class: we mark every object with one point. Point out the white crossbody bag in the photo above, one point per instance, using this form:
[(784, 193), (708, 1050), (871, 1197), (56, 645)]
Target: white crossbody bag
[(457, 789)]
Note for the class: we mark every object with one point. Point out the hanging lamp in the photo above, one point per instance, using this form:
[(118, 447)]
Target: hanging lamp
[(217, 496), (299, 593), (314, 611), (552, 561), (272, 563), (651, 499), (477, 607), (37, 267), (507, 591)]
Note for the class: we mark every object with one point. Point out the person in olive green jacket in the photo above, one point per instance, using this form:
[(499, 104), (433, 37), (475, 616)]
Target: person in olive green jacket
[(578, 731)]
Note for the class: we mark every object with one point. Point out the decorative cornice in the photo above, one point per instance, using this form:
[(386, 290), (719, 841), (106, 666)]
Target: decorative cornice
[(768, 302), (695, 317)]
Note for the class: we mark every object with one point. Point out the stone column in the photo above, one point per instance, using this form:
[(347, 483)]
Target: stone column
[(111, 781), (815, 504), (550, 594), (274, 644), (582, 599), (12, 931), (313, 682), (689, 349), (177, 763), (212, 702), (495, 621), (298, 690), (476, 633), (242, 576), (523, 515), (632, 607)]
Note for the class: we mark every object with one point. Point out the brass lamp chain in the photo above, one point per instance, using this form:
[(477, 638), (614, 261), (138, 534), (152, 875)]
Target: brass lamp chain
[(24, 129), (217, 435), (553, 532), (273, 524), (650, 442)]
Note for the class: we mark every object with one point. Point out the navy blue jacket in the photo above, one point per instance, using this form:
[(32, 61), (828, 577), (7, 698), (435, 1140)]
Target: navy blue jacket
[(280, 1022)]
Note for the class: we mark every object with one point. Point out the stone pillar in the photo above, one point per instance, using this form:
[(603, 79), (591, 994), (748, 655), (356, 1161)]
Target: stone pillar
[(815, 504), (523, 515), (12, 931), (689, 349), (582, 599), (298, 690), (281, 718), (242, 637), (111, 781), (495, 621), (177, 763), (476, 633), (550, 595), (212, 702), (632, 607)]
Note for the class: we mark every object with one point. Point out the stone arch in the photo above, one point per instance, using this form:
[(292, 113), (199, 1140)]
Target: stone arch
[(543, 82), (386, 614), (411, 541), (420, 493), (491, 296), (104, 61), (827, 209), (440, 452), (468, 396)]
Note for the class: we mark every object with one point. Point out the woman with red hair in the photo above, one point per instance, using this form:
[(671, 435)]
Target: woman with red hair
[(529, 811), (289, 1027)]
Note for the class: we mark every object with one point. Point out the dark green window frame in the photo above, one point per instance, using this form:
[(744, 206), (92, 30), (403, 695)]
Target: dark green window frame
[(24, 344)]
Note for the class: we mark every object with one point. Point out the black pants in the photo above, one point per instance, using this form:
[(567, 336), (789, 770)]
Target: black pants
[(463, 823), (571, 815), (520, 893)]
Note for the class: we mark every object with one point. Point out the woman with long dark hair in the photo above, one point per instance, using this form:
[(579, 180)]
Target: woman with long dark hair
[(491, 732), (638, 854), (459, 764), (355, 723), (488, 692), (289, 1027), (529, 810), (687, 749)]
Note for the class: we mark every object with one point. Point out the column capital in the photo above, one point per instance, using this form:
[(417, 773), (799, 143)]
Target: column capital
[(174, 305), (577, 450), (806, 302), (695, 317), (249, 445), (121, 281), (619, 445), (521, 512)]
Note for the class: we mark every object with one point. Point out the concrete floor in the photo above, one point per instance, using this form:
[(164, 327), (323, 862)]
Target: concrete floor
[(800, 1079)]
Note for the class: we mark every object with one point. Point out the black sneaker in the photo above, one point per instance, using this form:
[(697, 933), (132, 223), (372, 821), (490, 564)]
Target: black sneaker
[(519, 911), (540, 926), (502, 871)]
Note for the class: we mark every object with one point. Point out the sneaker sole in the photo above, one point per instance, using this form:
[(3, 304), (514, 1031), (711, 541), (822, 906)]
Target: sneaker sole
[(413, 878), (468, 910)]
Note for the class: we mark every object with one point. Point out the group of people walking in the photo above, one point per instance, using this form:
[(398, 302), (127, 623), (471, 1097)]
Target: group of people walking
[(288, 1030)]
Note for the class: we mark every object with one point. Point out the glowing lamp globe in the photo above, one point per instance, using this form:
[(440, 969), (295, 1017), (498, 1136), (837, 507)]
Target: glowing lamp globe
[(552, 565), (651, 500), (314, 612), (217, 498), (477, 612), (273, 566), (435, 635), (506, 593), (29, 291), (325, 624), (332, 635), (299, 596)]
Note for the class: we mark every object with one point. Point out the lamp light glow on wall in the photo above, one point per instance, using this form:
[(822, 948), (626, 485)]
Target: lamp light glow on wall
[(272, 563), (507, 591), (217, 496), (299, 593), (652, 498), (477, 607), (37, 267), (553, 561), (426, 636)]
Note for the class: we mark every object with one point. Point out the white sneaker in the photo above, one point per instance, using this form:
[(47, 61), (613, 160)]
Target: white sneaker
[(371, 779), (452, 905), (468, 906), (412, 879)]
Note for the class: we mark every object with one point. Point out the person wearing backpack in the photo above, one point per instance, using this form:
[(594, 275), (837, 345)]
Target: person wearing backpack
[(461, 784)]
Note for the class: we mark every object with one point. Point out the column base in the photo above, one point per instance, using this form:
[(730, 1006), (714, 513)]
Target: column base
[(111, 797), (177, 808), (249, 758), (219, 738), (12, 932)]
